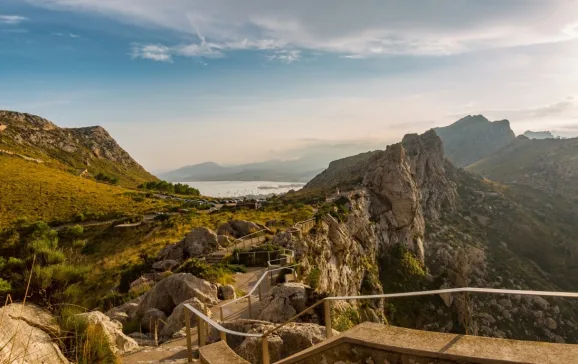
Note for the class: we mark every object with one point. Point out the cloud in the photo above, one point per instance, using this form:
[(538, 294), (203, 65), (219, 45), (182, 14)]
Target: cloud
[(153, 52), (285, 56), (353, 29), (71, 35), (12, 19)]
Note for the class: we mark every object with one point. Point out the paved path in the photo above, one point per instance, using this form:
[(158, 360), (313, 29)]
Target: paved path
[(175, 350)]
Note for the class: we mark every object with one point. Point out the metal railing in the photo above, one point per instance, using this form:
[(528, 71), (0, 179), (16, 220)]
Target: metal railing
[(204, 321)]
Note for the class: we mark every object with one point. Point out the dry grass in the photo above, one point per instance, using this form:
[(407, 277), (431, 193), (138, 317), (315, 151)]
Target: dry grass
[(31, 191)]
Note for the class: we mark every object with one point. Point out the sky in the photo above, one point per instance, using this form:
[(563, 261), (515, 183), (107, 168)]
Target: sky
[(180, 82)]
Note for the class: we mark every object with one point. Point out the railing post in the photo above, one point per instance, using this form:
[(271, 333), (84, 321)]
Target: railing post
[(223, 336), (202, 331), (265, 350), (259, 291), (207, 326), (221, 311), (327, 310), (250, 309), (188, 332)]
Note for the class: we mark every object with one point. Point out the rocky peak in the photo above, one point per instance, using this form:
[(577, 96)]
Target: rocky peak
[(26, 120), (473, 138)]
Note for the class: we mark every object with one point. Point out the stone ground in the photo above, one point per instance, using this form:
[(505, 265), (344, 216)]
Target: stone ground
[(175, 351)]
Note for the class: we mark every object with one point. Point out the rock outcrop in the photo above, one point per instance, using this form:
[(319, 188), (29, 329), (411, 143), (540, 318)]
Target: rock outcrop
[(200, 241), (283, 302), (175, 289), (27, 335), (112, 330), (153, 321), (176, 321), (237, 228), (285, 342)]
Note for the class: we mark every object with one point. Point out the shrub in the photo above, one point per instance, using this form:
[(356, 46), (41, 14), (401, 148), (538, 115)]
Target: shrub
[(5, 286), (345, 319), (314, 277)]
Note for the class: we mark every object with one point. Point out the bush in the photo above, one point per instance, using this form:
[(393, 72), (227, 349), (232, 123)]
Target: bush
[(314, 277), (167, 187), (345, 319), (219, 273), (106, 178), (5, 286)]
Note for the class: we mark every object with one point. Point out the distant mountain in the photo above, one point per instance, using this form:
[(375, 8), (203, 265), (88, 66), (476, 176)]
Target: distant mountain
[(74, 150), (539, 134), (300, 170), (550, 165), (473, 138)]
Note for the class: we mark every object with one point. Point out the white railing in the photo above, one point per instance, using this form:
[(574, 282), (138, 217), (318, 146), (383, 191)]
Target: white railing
[(204, 321)]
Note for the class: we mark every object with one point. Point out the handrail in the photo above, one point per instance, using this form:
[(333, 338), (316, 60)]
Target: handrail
[(257, 284), (255, 233), (216, 325)]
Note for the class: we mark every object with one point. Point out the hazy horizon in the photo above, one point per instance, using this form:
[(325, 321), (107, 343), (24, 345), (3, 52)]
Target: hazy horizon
[(184, 82)]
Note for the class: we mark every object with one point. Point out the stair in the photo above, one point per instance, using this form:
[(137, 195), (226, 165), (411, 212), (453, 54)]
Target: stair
[(215, 258)]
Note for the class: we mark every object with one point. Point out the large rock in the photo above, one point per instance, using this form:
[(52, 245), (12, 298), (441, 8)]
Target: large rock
[(283, 302), (165, 265), (200, 241), (238, 228), (227, 292), (26, 335), (112, 330), (177, 288), (176, 320), (285, 342), (153, 320), (125, 312)]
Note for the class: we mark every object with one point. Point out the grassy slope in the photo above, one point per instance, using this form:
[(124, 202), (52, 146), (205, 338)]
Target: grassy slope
[(34, 191)]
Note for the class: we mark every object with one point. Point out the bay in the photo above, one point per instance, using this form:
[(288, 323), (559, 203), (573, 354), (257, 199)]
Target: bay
[(243, 188)]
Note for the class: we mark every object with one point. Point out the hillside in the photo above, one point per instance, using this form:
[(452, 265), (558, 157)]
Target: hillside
[(413, 221), (473, 138), (73, 150), (550, 165), (32, 191)]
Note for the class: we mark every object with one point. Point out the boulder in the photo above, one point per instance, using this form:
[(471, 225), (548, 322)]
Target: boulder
[(176, 320), (177, 288), (223, 240), (237, 228), (166, 265), (27, 332), (283, 302), (227, 292), (143, 339), (112, 330), (141, 285), (287, 341), (171, 252), (200, 241), (540, 302), (125, 312), (153, 320)]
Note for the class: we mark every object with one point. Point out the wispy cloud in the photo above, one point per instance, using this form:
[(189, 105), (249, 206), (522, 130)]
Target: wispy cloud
[(12, 19), (153, 52), (285, 56), (70, 35)]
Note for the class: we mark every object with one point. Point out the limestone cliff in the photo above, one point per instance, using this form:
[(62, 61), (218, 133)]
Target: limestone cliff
[(416, 222)]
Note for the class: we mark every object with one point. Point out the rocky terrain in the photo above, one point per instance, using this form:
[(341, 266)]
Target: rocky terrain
[(76, 150), (473, 138), (549, 165), (416, 222)]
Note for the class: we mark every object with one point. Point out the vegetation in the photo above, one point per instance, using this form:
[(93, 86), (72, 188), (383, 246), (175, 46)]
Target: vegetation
[(219, 273), (31, 192), (345, 319), (168, 187), (56, 276), (313, 278), (101, 177)]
